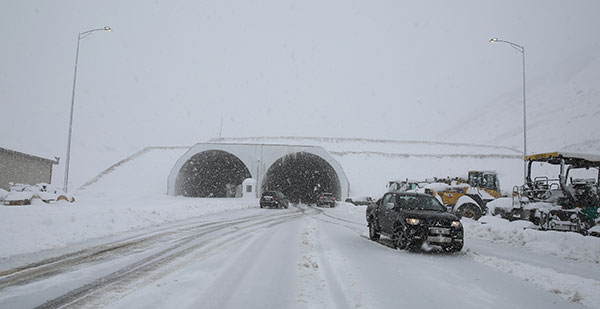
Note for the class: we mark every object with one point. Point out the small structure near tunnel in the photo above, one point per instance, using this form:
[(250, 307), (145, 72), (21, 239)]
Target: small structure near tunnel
[(249, 188), (217, 169), (19, 167)]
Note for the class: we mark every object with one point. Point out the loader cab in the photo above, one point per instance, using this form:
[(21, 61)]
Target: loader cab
[(583, 175), (402, 186), (486, 180), (582, 185)]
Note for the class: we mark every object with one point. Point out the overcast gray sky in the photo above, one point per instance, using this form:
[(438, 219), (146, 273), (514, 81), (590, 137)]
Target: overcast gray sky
[(171, 69)]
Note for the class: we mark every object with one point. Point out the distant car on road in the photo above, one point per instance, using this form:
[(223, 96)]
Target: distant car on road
[(273, 199), (410, 219), (360, 200), (326, 199)]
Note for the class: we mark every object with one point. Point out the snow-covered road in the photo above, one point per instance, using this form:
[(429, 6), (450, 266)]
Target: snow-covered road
[(303, 257)]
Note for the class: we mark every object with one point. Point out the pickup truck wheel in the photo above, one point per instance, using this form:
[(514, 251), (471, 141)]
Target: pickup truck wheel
[(399, 241), (415, 246), (373, 233)]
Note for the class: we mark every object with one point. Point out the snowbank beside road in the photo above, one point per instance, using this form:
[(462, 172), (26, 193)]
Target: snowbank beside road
[(519, 234), (573, 288), (43, 226)]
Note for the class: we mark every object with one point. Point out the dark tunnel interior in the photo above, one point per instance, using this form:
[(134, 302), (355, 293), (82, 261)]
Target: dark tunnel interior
[(301, 177), (211, 173)]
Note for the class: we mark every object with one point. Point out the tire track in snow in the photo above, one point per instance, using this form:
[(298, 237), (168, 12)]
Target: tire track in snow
[(343, 287), (319, 281), (335, 289), (52, 266), (189, 241), (183, 248), (254, 283), (341, 222), (212, 246), (313, 284)]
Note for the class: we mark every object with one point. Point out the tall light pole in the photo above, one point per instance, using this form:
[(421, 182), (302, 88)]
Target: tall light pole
[(81, 36), (520, 49)]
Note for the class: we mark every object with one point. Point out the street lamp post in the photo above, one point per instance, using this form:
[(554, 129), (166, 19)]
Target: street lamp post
[(520, 49), (81, 36)]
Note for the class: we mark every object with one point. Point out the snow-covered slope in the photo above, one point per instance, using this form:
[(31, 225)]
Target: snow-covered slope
[(342, 145), (368, 163), (563, 113), (371, 163), (142, 174)]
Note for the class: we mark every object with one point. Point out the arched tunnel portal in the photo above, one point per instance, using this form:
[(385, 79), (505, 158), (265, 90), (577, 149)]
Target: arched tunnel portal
[(301, 177), (211, 173)]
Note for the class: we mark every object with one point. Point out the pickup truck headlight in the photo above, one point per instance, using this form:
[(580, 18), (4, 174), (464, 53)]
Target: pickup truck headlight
[(412, 221), (456, 224)]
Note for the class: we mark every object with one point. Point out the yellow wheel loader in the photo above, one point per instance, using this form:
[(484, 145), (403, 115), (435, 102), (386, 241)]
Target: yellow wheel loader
[(464, 196)]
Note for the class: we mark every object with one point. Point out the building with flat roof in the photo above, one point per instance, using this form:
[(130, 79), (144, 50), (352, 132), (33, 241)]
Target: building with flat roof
[(19, 167)]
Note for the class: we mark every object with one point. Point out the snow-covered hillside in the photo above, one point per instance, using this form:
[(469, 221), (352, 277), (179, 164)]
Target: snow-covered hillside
[(563, 113), (341, 145), (369, 164)]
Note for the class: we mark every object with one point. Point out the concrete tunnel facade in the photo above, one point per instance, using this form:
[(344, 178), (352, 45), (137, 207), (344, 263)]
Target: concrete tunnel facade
[(217, 169)]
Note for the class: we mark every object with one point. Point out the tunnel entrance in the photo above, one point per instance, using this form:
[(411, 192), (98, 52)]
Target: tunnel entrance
[(302, 176), (211, 173)]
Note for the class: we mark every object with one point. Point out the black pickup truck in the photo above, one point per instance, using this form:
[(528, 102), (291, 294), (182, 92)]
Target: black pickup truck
[(410, 219)]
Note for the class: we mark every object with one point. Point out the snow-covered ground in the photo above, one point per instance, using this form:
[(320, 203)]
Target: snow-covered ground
[(42, 226), (131, 193), (125, 244), (300, 258)]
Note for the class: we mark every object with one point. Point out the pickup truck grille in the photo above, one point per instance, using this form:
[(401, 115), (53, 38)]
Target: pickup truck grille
[(437, 222)]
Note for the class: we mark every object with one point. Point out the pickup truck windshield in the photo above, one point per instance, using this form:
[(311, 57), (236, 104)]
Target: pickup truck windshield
[(419, 203)]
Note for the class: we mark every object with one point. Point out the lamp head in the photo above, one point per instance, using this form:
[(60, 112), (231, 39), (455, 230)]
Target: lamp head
[(492, 40), (107, 28)]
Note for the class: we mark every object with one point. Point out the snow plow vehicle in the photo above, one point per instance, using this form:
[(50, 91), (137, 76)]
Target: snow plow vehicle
[(466, 197), (569, 202)]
